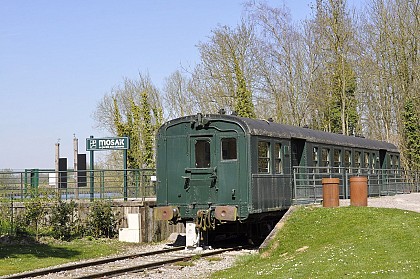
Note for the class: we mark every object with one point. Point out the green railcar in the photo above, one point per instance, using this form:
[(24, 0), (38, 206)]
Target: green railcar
[(223, 169)]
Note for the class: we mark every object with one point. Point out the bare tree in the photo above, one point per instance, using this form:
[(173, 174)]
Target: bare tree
[(133, 110), (287, 65), (391, 72), (179, 100), (225, 76)]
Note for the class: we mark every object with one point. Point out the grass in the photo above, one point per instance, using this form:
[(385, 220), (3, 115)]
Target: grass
[(348, 242), (16, 258)]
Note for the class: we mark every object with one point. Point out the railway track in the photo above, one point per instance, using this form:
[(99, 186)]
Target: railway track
[(106, 268)]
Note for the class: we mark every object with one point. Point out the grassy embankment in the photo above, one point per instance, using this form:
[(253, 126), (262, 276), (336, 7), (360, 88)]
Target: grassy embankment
[(349, 242), (24, 257)]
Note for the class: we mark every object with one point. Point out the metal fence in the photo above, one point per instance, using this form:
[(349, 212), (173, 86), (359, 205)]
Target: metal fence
[(72, 185), (307, 182)]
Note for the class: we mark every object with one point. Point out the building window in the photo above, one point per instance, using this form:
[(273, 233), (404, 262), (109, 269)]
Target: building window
[(202, 154), (229, 149), (277, 158), (263, 157)]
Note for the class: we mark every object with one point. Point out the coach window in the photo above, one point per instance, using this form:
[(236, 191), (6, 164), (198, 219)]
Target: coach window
[(347, 159), (372, 162), (325, 156), (263, 157), (315, 157), (396, 162), (392, 162), (202, 154), (229, 149), (337, 160), (357, 160), (277, 158), (366, 166)]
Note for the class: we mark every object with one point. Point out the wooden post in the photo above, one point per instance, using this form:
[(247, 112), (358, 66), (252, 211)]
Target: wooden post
[(330, 192), (57, 159), (358, 191), (75, 167)]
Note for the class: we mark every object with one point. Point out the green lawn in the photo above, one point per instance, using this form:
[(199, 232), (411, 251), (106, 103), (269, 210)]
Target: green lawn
[(25, 257), (348, 242)]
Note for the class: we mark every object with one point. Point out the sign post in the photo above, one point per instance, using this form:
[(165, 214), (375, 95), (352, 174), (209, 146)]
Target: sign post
[(103, 144)]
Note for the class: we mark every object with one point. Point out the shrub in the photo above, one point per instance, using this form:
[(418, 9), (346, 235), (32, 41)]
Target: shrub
[(102, 221), (63, 221)]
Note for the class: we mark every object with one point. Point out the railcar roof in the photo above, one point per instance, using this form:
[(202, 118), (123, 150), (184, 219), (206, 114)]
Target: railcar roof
[(272, 129)]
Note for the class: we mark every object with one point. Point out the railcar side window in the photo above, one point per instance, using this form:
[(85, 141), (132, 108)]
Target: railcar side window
[(366, 160), (347, 159), (229, 149), (325, 154), (277, 158), (315, 158), (202, 154), (372, 162), (263, 157), (392, 161), (357, 160), (337, 160)]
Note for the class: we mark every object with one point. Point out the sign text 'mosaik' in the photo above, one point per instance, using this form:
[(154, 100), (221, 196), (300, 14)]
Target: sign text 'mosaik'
[(119, 143)]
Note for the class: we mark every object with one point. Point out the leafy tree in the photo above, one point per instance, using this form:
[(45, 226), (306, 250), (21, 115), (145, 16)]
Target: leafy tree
[(412, 133)]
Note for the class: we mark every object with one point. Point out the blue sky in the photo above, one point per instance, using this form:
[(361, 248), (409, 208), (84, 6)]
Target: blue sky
[(59, 58)]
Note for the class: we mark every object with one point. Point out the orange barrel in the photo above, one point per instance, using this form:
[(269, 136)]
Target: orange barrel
[(330, 192), (358, 190)]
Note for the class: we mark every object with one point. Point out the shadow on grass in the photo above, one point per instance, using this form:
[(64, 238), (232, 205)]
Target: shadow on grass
[(17, 247)]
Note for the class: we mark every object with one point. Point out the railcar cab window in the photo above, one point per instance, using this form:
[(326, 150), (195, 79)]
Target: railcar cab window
[(277, 158), (202, 154), (229, 149), (263, 157)]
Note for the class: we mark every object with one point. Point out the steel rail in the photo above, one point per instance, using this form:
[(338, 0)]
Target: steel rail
[(87, 264), (158, 263)]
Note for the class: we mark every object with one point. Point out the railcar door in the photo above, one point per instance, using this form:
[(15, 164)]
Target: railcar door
[(201, 176), (227, 151)]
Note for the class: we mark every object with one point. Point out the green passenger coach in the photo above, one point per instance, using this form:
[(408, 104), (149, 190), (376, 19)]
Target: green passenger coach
[(223, 169)]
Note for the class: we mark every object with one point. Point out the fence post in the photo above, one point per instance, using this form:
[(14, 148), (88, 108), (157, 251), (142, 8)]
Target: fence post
[(11, 215)]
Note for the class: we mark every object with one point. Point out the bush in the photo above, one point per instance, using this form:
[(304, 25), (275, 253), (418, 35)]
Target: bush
[(63, 221), (35, 213), (102, 221), (6, 219)]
